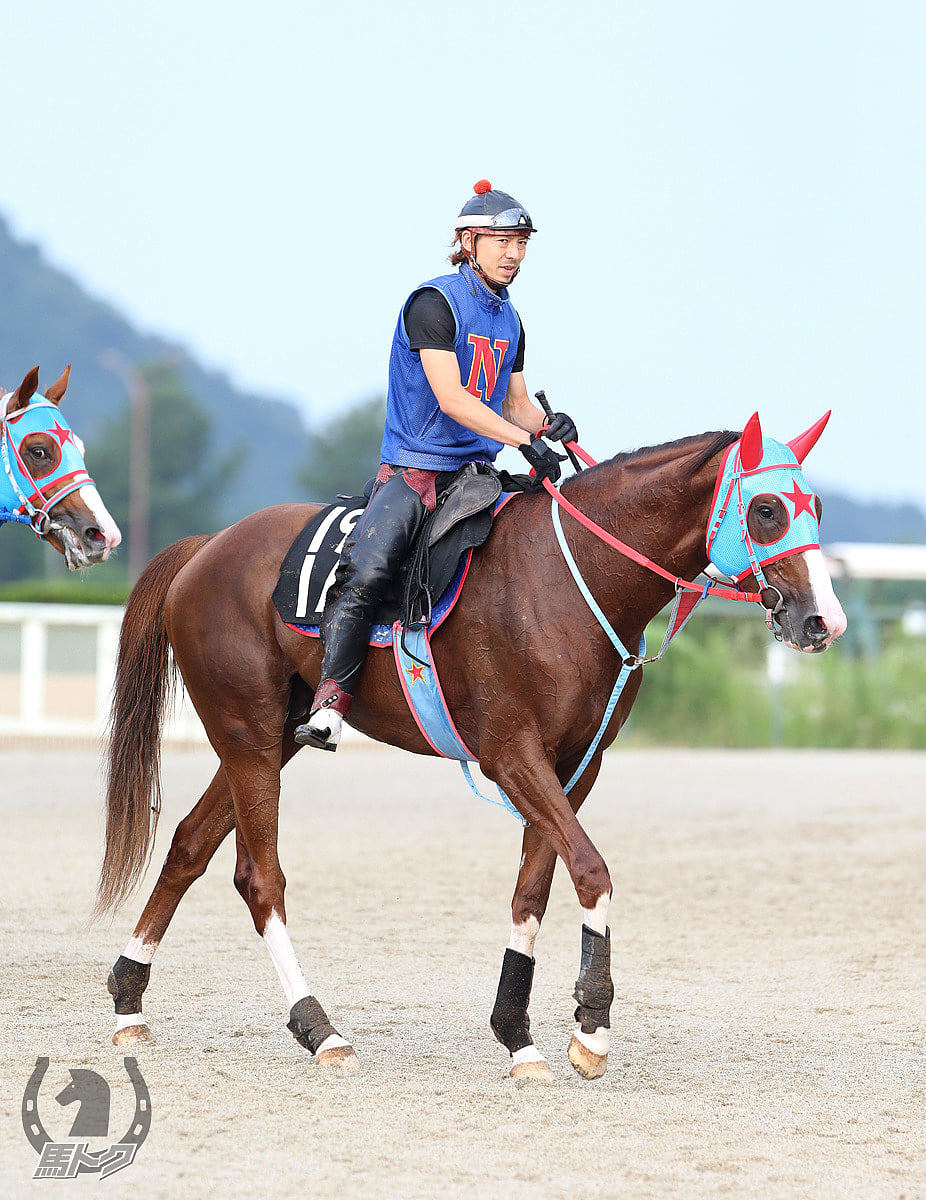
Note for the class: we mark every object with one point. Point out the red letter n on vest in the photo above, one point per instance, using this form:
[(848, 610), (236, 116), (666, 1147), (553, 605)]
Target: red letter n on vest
[(485, 364)]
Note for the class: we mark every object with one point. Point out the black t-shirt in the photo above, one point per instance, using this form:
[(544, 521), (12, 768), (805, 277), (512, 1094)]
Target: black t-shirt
[(430, 325)]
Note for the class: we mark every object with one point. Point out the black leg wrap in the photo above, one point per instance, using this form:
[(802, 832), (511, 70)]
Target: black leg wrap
[(510, 1022), (309, 1024), (127, 980), (594, 989)]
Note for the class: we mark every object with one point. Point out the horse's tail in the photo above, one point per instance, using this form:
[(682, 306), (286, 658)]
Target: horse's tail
[(145, 683)]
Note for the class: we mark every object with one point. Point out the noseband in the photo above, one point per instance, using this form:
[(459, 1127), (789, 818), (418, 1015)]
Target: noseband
[(71, 474)]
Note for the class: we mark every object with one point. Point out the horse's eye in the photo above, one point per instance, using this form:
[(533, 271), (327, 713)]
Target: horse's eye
[(38, 452), (765, 512)]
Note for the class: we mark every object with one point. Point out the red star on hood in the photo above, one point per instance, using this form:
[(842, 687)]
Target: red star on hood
[(802, 501), (63, 435), (417, 674)]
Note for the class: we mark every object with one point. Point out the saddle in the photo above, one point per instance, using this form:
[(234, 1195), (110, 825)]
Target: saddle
[(438, 558)]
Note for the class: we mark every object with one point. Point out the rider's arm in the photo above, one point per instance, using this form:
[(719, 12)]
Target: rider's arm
[(519, 408), (442, 371)]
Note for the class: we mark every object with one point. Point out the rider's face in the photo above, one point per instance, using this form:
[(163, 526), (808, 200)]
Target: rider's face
[(499, 254)]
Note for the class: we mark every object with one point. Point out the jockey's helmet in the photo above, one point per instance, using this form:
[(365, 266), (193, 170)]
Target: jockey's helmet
[(491, 211)]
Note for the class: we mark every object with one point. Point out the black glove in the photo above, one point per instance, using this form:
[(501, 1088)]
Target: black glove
[(561, 428), (543, 459)]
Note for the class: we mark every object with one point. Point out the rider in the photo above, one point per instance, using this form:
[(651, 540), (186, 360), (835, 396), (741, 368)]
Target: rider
[(456, 395)]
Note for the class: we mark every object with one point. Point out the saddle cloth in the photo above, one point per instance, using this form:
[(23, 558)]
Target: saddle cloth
[(308, 570)]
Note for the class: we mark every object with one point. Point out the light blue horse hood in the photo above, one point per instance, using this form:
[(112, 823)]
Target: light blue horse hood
[(779, 473)]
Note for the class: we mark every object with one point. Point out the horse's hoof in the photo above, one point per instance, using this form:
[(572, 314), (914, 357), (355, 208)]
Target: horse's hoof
[(537, 1071), (132, 1033), (589, 1064), (340, 1058)]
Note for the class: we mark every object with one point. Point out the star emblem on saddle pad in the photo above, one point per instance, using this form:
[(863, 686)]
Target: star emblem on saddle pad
[(63, 435), (416, 673), (802, 501)]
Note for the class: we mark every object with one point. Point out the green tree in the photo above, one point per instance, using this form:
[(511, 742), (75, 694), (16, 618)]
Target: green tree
[(345, 452), (186, 482)]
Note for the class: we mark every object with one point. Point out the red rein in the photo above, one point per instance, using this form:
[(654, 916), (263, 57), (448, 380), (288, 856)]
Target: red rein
[(635, 555)]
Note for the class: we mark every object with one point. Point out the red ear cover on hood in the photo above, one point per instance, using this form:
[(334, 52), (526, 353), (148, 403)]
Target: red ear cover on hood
[(751, 444), (805, 442)]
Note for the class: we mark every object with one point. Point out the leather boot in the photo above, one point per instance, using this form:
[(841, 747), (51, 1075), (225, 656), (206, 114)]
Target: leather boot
[(326, 717)]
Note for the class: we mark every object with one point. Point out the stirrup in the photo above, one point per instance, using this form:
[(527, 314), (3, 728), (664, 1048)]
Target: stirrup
[(322, 730)]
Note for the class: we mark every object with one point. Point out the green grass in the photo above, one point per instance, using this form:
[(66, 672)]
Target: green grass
[(711, 689)]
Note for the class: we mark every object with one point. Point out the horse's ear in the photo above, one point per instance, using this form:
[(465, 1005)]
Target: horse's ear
[(56, 392), (24, 392), (751, 444), (805, 442)]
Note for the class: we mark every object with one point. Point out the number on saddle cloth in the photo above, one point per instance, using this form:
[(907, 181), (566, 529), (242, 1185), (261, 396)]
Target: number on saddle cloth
[(462, 520)]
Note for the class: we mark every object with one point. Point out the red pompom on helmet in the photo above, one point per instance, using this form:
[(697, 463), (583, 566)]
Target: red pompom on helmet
[(493, 211)]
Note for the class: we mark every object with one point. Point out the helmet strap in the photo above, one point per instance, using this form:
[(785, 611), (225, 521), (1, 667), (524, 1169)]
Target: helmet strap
[(471, 259)]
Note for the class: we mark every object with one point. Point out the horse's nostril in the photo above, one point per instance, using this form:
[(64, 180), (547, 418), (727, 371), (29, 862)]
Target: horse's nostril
[(93, 534), (815, 629)]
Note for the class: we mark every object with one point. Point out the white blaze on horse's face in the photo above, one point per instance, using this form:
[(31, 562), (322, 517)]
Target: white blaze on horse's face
[(825, 601), (107, 526)]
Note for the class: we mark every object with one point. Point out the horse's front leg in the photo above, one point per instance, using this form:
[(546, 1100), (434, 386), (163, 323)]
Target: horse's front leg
[(254, 779), (554, 830)]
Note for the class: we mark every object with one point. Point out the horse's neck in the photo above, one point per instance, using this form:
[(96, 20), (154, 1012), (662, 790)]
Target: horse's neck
[(659, 508)]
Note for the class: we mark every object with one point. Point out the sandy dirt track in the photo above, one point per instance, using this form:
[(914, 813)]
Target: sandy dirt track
[(768, 957)]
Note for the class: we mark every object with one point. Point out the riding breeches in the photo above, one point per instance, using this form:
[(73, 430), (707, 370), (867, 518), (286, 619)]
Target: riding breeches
[(371, 560)]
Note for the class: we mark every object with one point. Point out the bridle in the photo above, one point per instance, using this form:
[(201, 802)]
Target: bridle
[(39, 518), (712, 588)]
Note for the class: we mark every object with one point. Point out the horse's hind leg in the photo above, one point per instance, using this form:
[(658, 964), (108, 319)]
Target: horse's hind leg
[(255, 784), (195, 841)]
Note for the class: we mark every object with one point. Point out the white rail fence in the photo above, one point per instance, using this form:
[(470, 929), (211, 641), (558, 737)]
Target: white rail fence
[(58, 661), (57, 667)]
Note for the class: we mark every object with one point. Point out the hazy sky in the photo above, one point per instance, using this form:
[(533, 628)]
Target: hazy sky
[(730, 197)]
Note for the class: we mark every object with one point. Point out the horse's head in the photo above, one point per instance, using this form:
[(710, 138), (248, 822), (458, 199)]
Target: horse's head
[(44, 477), (764, 531)]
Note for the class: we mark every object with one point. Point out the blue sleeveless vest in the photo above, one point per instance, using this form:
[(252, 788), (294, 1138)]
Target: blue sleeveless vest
[(417, 433)]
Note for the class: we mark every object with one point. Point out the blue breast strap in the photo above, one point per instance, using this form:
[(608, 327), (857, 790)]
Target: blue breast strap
[(630, 662)]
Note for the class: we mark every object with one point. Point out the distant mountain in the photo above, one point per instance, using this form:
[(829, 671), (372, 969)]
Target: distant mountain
[(847, 520), (47, 318)]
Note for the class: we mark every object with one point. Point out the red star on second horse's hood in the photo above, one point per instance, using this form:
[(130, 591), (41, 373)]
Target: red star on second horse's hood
[(63, 435), (802, 501), (417, 674)]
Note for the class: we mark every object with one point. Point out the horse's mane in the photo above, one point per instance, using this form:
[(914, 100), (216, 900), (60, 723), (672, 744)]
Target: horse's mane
[(693, 452)]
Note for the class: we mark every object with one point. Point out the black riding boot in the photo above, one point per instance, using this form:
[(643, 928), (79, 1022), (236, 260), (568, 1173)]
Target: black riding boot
[(369, 562)]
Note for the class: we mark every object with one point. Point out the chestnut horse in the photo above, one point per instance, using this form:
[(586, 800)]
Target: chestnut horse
[(44, 481), (527, 672)]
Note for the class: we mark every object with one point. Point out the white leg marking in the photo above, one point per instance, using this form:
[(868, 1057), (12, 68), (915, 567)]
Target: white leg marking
[(527, 1054), (284, 959), (598, 1042), (523, 936), (825, 601), (108, 527), (331, 1043), (123, 1022), (597, 918), (140, 951)]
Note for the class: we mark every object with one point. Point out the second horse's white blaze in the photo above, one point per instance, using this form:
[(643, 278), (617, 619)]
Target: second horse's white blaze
[(108, 527)]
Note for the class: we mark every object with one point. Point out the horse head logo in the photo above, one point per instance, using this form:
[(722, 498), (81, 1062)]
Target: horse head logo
[(92, 1118), (91, 1091)]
